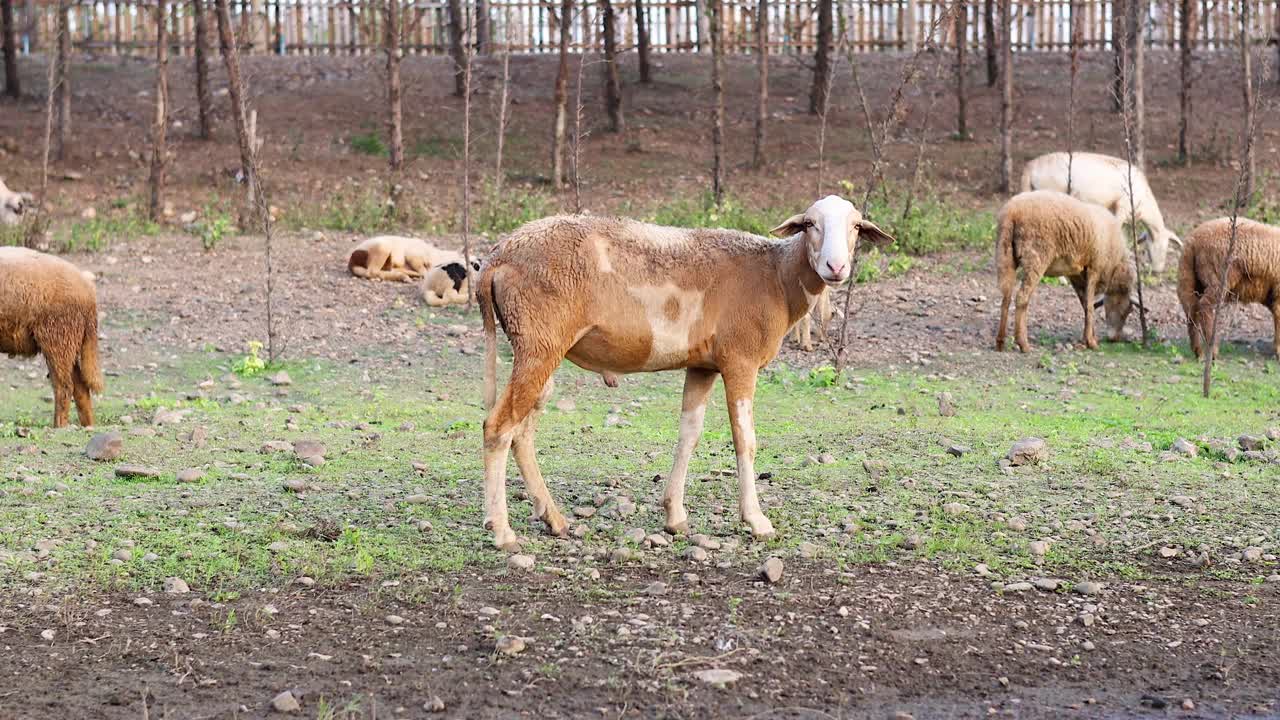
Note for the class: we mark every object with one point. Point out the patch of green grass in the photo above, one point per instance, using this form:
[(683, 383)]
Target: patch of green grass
[(364, 213), (368, 143), (97, 234), (703, 213), (932, 224), (215, 225), (435, 147), (516, 206)]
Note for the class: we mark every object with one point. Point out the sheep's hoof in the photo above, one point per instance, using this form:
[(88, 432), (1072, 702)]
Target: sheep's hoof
[(680, 528), (761, 528), (556, 524)]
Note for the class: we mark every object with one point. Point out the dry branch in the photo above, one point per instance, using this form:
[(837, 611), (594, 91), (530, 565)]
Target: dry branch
[(155, 207)]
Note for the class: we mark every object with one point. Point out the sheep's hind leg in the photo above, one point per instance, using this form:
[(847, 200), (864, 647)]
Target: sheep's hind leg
[(693, 410), (84, 401), (1030, 279), (740, 390), (60, 373), (1275, 318), (529, 377), (544, 507)]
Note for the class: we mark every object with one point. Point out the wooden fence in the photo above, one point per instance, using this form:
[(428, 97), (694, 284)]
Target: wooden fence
[(333, 27)]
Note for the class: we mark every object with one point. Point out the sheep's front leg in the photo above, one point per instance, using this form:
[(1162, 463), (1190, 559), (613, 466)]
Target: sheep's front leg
[(693, 410), (1086, 299), (1275, 318), (740, 391)]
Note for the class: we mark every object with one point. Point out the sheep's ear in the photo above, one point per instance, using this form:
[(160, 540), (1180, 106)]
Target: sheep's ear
[(1175, 240), (869, 233), (789, 227)]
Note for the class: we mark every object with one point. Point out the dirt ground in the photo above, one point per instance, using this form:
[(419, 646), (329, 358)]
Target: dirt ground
[(828, 641)]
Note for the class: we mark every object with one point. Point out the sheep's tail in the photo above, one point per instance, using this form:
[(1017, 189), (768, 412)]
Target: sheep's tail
[(1006, 273), (484, 295), (89, 367)]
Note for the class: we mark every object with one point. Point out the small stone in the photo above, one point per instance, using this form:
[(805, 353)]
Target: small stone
[(1038, 547), (520, 562), (1251, 554), (566, 405), (584, 511), (305, 581), (771, 570), (1188, 704), (875, 468), (434, 705), (168, 417), (958, 450), (955, 508), (176, 586), (286, 703), (1182, 446), (634, 536), (1169, 552), (1250, 442), (394, 620), (1183, 501), (625, 507), (104, 447), (913, 542), (48, 635), (1017, 523), (275, 446), (705, 542), (307, 449), (1088, 587), (657, 540), (1273, 433), (278, 546), (622, 555), (295, 485), (718, 677), (808, 550), (123, 555), (946, 406), (694, 553), (190, 475), (826, 459), (142, 601), (1047, 584), (510, 645), (417, 499), (281, 379), (656, 588), (1017, 587), (1028, 451)]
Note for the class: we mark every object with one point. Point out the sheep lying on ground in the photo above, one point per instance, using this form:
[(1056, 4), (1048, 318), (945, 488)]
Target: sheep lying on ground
[(616, 296), (390, 257), (1254, 275), (1049, 233), (1104, 180), (12, 204), (48, 306), (822, 313), (446, 283)]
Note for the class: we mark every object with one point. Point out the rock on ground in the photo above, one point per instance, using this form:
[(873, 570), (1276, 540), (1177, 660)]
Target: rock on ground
[(105, 447), (286, 703), (1028, 451), (771, 570)]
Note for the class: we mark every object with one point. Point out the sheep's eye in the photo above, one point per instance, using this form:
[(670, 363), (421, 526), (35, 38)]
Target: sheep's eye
[(808, 225)]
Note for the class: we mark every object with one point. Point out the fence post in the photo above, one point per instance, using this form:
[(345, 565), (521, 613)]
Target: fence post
[(909, 32)]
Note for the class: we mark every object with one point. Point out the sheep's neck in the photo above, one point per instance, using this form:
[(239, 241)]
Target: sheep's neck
[(800, 282)]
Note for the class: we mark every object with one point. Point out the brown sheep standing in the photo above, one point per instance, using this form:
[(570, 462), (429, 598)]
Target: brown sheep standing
[(48, 306), (1254, 275)]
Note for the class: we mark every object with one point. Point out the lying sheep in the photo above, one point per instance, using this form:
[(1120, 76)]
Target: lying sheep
[(617, 296), (395, 258), (48, 306), (446, 283), (1104, 180), (13, 204), (1254, 275), (822, 313), (1049, 233)]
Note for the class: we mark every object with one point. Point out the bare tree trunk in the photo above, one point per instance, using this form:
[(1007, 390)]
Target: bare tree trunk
[(564, 24), (822, 58), (989, 31), (1119, 54), (504, 104), (1248, 167), (35, 230), (822, 129), (466, 173), (717, 89), (394, 125), (1006, 96), (12, 85), (1071, 93), (156, 206), (204, 96), (1130, 145), (962, 42), (704, 25), (482, 27), (63, 101), (642, 41), (239, 107), (762, 94), (612, 84), (456, 52), (575, 159), (1137, 14), (1185, 8)]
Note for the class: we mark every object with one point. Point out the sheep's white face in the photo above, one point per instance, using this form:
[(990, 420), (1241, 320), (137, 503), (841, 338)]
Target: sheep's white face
[(1158, 248), (831, 228), (12, 205)]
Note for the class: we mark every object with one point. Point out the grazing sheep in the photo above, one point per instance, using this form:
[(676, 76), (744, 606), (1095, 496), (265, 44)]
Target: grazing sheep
[(822, 313), (446, 283), (1104, 180), (12, 204), (1254, 275), (1049, 233), (399, 259), (617, 296), (48, 306)]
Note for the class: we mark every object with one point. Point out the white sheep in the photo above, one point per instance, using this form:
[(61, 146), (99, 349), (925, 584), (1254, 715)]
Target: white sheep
[(617, 296), (1104, 180), (1047, 233), (13, 204), (1254, 275)]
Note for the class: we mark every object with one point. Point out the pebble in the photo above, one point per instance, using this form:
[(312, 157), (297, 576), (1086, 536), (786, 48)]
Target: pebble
[(1028, 451), (622, 555), (281, 379), (286, 703), (913, 542), (771, 570), (1038, 547), (808, 550), (295, 485), (1251, 554), (584, 511), (122, 555), (278, 546), (634, 535), (308, 450), (190, 475), (705, 542), (656, 588), (1017, 523), (305, 581), (1088, 587), (1182, 446), (1047, 584), (176, 586), (520, 562), (826, 459), (1250, 442), (946, 405), (136, 472), (955, 508), (142, 601), (275, 446), (394, 620), (1169, 552), (718, 677), (694, 553), (105, 447), (657, 540), (958, 450), (434, 705), (417, 499), (1017, 587)]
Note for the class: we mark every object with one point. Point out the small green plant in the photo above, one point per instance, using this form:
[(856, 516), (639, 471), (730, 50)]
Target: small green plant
[(96, 234), (516, 207), (368, 143), (823, 376), (435, 147), (869, 267), (732, 214), (213, 228), (251, 364)]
